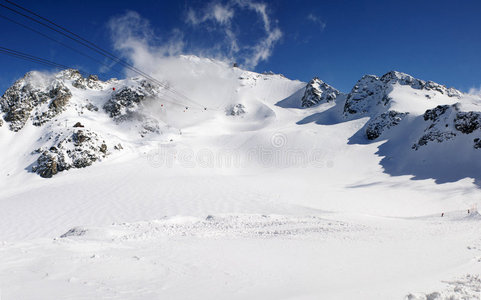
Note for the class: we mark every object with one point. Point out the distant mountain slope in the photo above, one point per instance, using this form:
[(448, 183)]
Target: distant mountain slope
[(65, 120)]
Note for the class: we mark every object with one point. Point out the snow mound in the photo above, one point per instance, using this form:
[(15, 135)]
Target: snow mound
[(239, 226), (466, 287)]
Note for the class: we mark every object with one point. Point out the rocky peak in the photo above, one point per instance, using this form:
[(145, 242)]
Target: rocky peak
[(371, 92), (91, 82), (69, 74), (34, 96), (127, 99), (318, 91)]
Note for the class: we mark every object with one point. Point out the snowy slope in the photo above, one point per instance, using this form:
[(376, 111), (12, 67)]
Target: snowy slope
[(221, 183)]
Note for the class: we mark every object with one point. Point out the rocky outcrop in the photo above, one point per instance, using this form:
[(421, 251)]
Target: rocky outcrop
[(435, 113), (467, 122), (383, 122), (72, 149), (59, 96), (91, 82), (34, 97), (433, 135), (318, 91), (446, 122), (125, 103), (235, 110)]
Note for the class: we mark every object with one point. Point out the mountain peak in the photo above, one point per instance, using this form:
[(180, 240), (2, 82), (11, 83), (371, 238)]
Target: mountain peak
[(371, 92), (318, 91)]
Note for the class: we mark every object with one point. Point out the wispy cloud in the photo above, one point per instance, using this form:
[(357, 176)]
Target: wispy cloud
[(135, 37), (217, 12), (222, 16), (475, 91), (317, 20)]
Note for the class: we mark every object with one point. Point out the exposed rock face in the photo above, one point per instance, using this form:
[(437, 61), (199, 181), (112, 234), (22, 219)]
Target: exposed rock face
[(318, 91), (446, 122), (434, 135), (59, 96), (477, 143), (467, 122), (127, 105), (383, 122), (74, 149), (372, 91), (34, 97), (127, 100), (435, 113), (236, 110), (91, 82)]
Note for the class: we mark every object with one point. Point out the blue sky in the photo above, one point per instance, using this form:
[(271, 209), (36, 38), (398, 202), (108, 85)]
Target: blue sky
[(338, 41)]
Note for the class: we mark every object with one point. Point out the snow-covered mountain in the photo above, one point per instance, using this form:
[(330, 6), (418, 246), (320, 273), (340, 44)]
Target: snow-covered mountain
[(274, 188), (80, 120)]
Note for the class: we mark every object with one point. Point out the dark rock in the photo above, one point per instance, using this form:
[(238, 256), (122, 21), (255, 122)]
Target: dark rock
[(477, 143), (77, 149), (318, 91), (467, 122), (46, 165), (124, 104), (383, 122), (78, 124), (25, 99), (103, 148), (435, 135), (92, 82), (79, 137), (76, 231), (435, 113), (91, 107), (236, 110)]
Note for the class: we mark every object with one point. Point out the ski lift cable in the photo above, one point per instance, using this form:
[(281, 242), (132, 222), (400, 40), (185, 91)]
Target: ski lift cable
[(61, 43), (79, 39), (115, 59), (94, 48), (32, 58)]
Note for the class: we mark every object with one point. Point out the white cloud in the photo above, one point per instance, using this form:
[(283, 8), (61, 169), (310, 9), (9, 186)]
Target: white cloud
[(262, 50), (217, 12), (475, 91), (134, 37), (316, 20), (132, 33)]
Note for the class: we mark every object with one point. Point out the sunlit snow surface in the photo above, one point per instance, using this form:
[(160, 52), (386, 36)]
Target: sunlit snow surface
[(277, 203)]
